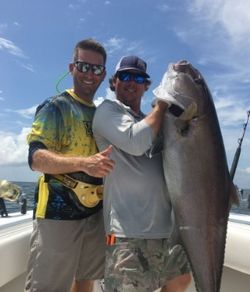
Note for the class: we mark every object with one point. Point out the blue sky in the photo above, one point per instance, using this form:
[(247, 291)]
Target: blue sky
[(37, 40)]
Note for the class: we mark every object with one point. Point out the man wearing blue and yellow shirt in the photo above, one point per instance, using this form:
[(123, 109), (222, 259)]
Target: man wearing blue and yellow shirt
[(68, 238)]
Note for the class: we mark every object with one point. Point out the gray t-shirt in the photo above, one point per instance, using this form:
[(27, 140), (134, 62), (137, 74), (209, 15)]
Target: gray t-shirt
[(136, 201)]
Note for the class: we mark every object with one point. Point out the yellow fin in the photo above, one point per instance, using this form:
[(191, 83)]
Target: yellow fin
[(189, 112)]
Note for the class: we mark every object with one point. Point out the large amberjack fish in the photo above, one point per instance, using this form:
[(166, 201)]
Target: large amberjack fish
[(9, 191), (196, 173)]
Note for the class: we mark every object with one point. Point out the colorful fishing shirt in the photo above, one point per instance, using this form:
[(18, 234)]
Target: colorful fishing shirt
[(63, 124)]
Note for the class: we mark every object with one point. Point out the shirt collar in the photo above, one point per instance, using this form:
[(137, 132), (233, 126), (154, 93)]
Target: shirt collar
[(72, 93)]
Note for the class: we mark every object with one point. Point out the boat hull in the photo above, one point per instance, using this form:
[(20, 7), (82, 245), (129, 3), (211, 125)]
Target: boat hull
[(14, 248)]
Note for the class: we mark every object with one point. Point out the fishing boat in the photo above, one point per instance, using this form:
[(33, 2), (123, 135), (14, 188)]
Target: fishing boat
[(15, 230), (15, 233)]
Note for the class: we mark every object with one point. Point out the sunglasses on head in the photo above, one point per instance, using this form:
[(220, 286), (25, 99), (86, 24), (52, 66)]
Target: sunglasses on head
[(128, 76), (84, 67)]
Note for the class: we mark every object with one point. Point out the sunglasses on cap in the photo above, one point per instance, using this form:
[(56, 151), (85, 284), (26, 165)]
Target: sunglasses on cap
[(84, 67), (128, 76)]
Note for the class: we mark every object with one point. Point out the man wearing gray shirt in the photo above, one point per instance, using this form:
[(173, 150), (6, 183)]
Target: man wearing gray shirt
[(137, 208)]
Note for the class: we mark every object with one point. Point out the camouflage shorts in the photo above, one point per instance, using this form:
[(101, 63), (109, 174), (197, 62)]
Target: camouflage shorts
[(140, 265)]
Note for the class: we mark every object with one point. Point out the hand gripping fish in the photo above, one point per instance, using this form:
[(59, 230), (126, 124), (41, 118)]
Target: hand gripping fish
[(196, 172)]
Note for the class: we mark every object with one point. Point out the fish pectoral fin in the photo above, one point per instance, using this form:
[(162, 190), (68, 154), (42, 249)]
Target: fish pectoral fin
[(233, 197), (189, 112), (183, 121)]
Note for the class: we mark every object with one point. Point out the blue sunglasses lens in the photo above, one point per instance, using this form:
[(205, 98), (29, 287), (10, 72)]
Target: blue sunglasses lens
[(139, 79), (126, 76)]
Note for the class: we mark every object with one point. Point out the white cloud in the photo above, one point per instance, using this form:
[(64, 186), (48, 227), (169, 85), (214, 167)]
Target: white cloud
[(236, 18), (164, 7), (242, 174), (3, 27), (114, 44), (28, 67), (77, 5), (1, 98), (218, 33), (231, 111), (128, 47), (134, 46), (11, 48), (18, 173), (16, 23), (25, 113), (98, 100), (233, 16), (14, 148), (122, 46), (74, 6), (221, 28), (109, 95), (242, 177), (223, 102)]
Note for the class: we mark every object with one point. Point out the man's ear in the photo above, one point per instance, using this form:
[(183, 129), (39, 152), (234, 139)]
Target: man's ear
[(104, 75), (71, 67), (147, 85), (113, 81)]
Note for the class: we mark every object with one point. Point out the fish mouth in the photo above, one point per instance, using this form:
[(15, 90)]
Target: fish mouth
[(186, 67)]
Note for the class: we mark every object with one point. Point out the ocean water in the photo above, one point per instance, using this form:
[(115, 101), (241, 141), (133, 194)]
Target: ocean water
[(29, 187)]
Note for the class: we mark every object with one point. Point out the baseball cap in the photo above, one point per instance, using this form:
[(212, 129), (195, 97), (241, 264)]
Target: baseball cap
[(132, 63)]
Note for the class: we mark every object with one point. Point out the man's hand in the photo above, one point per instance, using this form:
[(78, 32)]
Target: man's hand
[(99, 165)]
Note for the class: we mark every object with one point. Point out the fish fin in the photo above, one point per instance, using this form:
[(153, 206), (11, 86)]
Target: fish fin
[(183, 121), (189, 112), (234, 196)]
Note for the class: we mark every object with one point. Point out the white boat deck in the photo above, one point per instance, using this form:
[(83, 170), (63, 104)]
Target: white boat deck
[(15, 218), (239, 218), (14, 246), (15, 233)]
